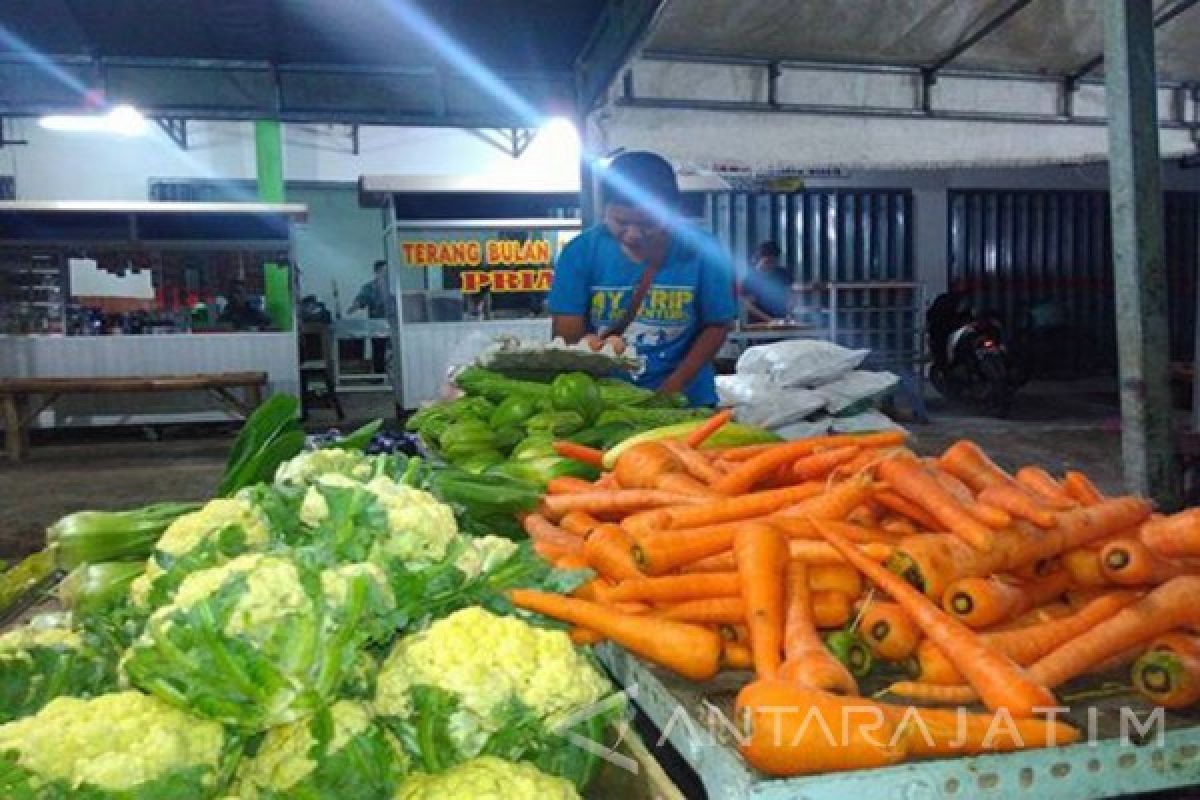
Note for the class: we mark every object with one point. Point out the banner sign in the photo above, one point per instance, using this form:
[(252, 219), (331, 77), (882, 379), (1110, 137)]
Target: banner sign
[(488, 253)]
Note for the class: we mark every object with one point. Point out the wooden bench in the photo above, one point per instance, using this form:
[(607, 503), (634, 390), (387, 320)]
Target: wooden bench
[(19, 412)]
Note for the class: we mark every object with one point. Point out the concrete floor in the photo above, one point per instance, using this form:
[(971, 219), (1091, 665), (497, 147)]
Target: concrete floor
[(1057, 426)]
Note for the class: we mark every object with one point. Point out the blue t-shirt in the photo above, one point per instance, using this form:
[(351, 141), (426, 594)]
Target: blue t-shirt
[(691, 290)]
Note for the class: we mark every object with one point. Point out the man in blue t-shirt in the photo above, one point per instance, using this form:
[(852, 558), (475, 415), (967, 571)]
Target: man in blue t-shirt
[(646, 255)]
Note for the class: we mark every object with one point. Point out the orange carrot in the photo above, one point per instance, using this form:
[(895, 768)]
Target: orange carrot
[(736, 455), (610, 552), (782, 738), (987, 515), (894, 502), (571, 561), (642, 465), (834, 504), (678, 587), (543, 531), (835, 578), (820, 464), (1176, 536), (660, 553), (809, 551), (981, 602), (618, 501), (714, 610), (1043, 485), (760, 466), (967, 462), (578, 452), (888, 631), (579, 523), (694, 463), (806, 660), (1019, 503), (747, 506), (735, 655), (831, 609), (566, 484), (710, 426), (801, 528), (1083, 564), (679, 483), (1000, 682), (646, 523), (943, 732), (1168, 673), (1081, 489), (912, 481), (689, 650), (761, 553), (897, 525), (583, 636), (1128, 562)]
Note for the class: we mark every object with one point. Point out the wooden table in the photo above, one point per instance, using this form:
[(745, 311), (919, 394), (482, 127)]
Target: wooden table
[(19, 412)]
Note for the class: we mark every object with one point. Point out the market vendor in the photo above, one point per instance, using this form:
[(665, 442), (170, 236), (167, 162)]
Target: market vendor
[(647, 275), (373, 297), (767, 286)]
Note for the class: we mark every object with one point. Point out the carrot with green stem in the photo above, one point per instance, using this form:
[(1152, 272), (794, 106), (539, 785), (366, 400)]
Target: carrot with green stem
[(678, 587), (760, 466), (805, 658), (1000, 682), (1168, 673), (581, 453), (1043, 485), (1128, 562), (710, 426), (909, 478), (761, 553), (689, 650), (888, 631), (1081, 488), (982, 602), (1175, 536)]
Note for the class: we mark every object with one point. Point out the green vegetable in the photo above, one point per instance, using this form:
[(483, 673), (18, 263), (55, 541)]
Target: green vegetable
[(555, 423), (541, 471), (87, 537), (270, 436), (29, 573), (651, 417), (731, 434), (260, 641), (482, 382), (480, 461), (533, 447), (487, 503), (475, 683), (576, 391), (96, 588), (359, 439), (118, 746), (340, 752), (849, 648), (39, 663), (467, 437), (604, 436), (513, 411)]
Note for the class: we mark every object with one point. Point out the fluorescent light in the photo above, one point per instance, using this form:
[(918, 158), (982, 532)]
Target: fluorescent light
[(120, 120), (558, 141)]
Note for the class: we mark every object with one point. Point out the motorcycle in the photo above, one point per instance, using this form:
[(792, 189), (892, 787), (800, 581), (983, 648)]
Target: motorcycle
[(972, 363)]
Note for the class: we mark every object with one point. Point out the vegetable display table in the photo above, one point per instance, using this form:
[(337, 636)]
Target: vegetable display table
[(699, 721), (19, 413)]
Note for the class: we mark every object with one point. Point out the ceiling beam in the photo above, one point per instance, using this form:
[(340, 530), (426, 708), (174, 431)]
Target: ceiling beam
[(1073, 79), (975, 38), (620, 28)]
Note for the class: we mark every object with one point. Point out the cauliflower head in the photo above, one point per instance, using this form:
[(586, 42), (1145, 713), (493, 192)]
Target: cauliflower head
[(483, 554), (224, 528), (40, 662), (120, 743), (260, 641), (487, 778), (339, 752), (472, 680), (305, 468)]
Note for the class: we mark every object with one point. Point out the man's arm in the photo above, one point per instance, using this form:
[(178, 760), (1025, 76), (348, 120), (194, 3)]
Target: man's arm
[(570, 327), (702, 351)]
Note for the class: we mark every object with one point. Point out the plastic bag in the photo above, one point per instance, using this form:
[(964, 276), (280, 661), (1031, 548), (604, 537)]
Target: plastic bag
[(868, 421), (856, 391), (738, 390), (777, 407), (804, 430), (800, 362)]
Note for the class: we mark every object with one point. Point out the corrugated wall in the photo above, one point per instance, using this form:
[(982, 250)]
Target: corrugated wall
[(1014, 250), (832, 236)]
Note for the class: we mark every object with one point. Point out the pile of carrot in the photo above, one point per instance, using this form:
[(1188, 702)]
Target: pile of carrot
[(981, 586)]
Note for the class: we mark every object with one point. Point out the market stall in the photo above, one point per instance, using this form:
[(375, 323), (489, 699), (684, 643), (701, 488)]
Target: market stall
[(128, 290)]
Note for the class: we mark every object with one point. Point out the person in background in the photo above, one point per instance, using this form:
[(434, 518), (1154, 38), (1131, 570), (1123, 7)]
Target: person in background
[(646, 275), (373, 297), (767, 286), (239, 313)]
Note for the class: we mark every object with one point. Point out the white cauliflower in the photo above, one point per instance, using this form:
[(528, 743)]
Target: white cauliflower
[(487, 778), (483, 553), (305, 468), (119, 742)]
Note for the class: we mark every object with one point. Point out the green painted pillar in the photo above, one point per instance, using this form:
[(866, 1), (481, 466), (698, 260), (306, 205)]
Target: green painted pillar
[(268, 156)]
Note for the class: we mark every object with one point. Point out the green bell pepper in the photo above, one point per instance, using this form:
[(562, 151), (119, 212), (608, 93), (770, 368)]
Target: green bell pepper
[(466, 437), (554, 423), (480, 461), (513, 411), (578, 392)]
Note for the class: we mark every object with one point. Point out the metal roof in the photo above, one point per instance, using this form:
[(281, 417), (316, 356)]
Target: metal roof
[(485, 63)]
